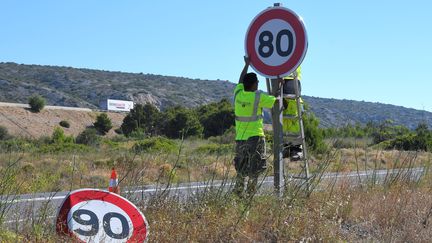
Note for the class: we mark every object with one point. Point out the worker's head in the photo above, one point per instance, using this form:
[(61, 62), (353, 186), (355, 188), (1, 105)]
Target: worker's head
[(250, 82)]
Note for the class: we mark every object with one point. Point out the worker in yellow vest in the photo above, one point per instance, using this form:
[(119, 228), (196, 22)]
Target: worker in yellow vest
[(291, 126), (250, 153)]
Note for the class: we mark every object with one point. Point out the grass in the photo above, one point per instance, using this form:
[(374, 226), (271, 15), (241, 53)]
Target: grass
[(396, 209)]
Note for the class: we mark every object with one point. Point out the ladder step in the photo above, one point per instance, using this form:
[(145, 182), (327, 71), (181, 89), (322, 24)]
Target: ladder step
[(290, 96)]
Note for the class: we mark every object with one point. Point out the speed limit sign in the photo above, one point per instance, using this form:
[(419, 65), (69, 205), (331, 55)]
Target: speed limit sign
[(92, 215), (276, 42)]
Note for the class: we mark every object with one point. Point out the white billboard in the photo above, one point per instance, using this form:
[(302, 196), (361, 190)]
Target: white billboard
[(119, 105)]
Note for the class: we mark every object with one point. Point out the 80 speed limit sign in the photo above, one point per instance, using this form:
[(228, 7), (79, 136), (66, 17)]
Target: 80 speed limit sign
[(91, 215), (276, 42)]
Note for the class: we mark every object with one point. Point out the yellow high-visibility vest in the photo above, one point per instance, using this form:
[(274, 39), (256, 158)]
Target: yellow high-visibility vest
[(290, 117), (248, 107), (292, 75)]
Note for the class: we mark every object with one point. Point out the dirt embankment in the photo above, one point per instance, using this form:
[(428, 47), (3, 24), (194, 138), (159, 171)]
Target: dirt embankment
[(21, 122)]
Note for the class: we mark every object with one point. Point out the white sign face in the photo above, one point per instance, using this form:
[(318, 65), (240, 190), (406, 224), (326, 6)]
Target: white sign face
[(276, 42), (119, 105), (99, 221), (92, 215)]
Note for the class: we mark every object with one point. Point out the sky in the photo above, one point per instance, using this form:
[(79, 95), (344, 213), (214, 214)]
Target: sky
[(376, 51)]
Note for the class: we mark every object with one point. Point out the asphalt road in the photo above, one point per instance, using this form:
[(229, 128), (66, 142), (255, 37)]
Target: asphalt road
[(17, 209)]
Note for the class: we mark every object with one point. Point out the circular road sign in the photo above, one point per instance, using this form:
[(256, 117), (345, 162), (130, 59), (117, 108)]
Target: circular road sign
[(92, 215), (276, 42)]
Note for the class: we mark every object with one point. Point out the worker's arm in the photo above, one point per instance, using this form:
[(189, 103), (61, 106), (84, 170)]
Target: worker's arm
[(245, 69)]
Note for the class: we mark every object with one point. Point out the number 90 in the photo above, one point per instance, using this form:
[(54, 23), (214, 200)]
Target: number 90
[(93, 222)]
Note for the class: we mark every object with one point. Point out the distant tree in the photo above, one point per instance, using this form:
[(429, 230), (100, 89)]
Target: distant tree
[(4, 134), (103, 124), (181, 122), (313, 134), (423, 138), (143, 118), (36, 103), (216, 118), (387, 131), (88, 137)]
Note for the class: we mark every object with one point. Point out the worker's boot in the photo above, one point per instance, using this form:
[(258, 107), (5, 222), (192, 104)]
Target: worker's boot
[(296, 153)]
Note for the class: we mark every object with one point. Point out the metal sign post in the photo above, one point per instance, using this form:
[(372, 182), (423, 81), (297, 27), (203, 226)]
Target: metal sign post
[(276, 44), (277, 117)]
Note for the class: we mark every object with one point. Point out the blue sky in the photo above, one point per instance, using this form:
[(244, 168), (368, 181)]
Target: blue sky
[(378, 51)]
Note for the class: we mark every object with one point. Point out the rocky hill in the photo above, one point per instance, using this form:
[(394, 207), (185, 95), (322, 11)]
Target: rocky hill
[(77, 87), (333, 112), (66, 86)]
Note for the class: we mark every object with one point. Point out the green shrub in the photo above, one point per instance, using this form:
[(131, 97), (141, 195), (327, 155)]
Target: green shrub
[(36, 103), (213, 148), (181, 122), (145, 118), (88, 137), (313, 134), (59, 137), (155, 144), (65, 124), (216, 118), (227, 138), (63, 147), (138, 134), (103, 124), (16, 145), (4, 134)]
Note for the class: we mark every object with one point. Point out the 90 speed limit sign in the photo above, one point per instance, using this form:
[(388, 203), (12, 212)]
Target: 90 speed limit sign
[(91, 215), (276, 42)]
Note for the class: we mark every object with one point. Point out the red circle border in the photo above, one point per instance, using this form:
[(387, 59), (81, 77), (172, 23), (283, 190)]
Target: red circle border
[(301, 42), (139, 223)]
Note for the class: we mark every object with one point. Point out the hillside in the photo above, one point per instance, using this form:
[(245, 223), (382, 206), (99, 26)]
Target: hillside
[(20, 121), (333, 112), (77, 87), (66, 86)]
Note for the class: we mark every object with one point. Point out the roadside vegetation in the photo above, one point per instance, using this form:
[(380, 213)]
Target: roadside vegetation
[(184, 145)]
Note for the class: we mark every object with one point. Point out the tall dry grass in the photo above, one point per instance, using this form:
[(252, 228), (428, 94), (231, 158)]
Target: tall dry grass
[(393, 208)]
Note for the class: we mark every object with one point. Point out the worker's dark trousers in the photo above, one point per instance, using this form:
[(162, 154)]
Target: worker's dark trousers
[(249, 161)]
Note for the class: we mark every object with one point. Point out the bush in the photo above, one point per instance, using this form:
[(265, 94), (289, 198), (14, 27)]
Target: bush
[(65, 124), (103, 123), (63, 147), (16, 145), (181, 122), (313, 134), (4, 134), (88, 137), (59, 137), (36, 103), (216, 118), (155, 144), (142, 117), (420, 140), (213, 148)]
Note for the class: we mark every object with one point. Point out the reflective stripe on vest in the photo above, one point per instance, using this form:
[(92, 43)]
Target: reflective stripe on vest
[(254, 116)]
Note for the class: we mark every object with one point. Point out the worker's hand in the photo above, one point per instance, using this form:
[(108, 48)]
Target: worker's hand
[(246, 60)]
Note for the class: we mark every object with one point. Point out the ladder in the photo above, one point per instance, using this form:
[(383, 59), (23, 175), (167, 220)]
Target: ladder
[(274, 87), (298, 139)]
